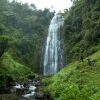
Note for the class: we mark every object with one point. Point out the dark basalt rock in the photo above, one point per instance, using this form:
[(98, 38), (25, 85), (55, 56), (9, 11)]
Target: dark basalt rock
[(43, 96), (39, 95), (47, 96)]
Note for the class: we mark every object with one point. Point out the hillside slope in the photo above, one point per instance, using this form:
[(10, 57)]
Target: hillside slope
[(10, 71), (77, 81)]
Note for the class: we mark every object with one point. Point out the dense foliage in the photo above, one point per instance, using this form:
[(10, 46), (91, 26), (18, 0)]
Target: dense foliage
[(26, 28), (23, 29), (79, 80), (81, 29)]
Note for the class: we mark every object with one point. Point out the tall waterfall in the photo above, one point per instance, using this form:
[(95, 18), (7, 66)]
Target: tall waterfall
[(53, 50)]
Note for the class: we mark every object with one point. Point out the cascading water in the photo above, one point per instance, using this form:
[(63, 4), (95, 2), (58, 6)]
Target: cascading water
[(53, 57)]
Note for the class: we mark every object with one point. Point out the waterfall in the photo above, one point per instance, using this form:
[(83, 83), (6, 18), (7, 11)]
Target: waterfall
[(53, 56)]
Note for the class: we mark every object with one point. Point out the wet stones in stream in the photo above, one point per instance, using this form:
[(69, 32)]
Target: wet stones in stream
[(30, 91), (42, 96)]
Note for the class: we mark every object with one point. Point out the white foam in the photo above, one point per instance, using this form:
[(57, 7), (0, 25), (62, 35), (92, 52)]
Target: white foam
[(32, 88), (28, 95), (18, 86)]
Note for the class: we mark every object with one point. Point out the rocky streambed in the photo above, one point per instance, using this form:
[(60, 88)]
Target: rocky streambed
[(30, 90)]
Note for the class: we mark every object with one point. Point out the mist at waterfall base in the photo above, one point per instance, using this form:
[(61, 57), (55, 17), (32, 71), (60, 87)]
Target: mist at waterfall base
[(53, 55)]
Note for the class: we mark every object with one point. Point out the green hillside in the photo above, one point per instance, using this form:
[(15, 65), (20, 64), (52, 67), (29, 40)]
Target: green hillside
[(23, 30), (10, 69), (23, 33), (77, 81)]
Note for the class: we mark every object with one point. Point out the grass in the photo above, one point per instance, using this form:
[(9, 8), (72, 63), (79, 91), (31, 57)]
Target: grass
[(10, 68), (77, 81)]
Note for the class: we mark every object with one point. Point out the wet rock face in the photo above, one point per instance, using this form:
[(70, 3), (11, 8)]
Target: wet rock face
[(42, 96), (37, 83), (39, 95)]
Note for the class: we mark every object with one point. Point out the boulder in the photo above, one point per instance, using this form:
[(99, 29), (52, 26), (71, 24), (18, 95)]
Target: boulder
[(39, 95)]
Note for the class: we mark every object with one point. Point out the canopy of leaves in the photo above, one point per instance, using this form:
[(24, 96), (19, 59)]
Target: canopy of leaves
[(81, 28), (26, 27)]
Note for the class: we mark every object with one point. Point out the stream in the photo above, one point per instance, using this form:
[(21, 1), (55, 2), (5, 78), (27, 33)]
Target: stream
[(26, 91)]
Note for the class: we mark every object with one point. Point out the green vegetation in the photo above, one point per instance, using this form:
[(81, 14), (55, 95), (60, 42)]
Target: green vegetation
[(81, 29), (9, 66), (81, 32), (13, 70), (23, 30), (26, 27), (77, 81)]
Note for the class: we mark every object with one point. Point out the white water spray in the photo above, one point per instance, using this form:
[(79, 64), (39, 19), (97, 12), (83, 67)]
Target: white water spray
[(53, 51)]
